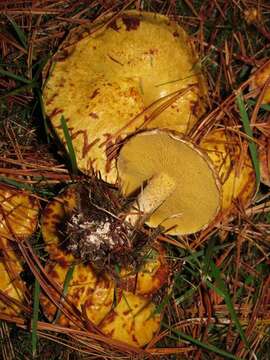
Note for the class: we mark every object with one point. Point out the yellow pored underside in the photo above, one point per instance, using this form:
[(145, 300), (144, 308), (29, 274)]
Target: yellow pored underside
[(231, 159), (195, 200), (104, 77), (97, 295)]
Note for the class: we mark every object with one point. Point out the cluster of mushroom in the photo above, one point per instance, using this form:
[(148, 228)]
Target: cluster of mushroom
[(130, 90), (121, 305)]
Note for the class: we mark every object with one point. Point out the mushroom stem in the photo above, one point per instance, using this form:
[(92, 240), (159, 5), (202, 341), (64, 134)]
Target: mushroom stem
[(158, 189)]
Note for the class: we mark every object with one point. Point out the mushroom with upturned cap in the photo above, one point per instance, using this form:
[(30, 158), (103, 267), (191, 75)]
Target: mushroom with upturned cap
[(108, 74), (183, 191)]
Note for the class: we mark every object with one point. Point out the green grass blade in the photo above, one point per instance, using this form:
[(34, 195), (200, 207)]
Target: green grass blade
[(186, 296), (24, 186), (126, 301), (39, 66), (15, 77), (117, 269), (205, 346), (210, 249), (34, 338), (221, 289), (19, 32), (69, 146), (246, 125), (16, 184), (161, 306), (18, 90), (262, 106), (67, 281), (44, 117)]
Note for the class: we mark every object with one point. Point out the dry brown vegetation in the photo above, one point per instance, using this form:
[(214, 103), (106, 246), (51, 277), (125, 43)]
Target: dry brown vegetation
[(219, 302)]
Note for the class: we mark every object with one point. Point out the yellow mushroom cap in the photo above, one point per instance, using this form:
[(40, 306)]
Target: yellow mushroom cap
[(234, 166), (19, 213), (18, 220), (53, 215), (9, 288), (264, 157), (85, 291), (150, 277), (258, 81), (104, 76), (194, 199), (133, 320)]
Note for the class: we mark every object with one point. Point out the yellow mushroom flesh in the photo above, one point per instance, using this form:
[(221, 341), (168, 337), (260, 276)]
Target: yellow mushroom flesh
[(53, 214)]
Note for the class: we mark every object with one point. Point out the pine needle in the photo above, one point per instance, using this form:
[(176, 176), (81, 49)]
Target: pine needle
[(71, 151), (203, 345), (67, 281), (16, 77), (21, 35)]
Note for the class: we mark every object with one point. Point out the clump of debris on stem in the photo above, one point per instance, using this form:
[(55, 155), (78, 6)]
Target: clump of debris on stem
[(96, 232)]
